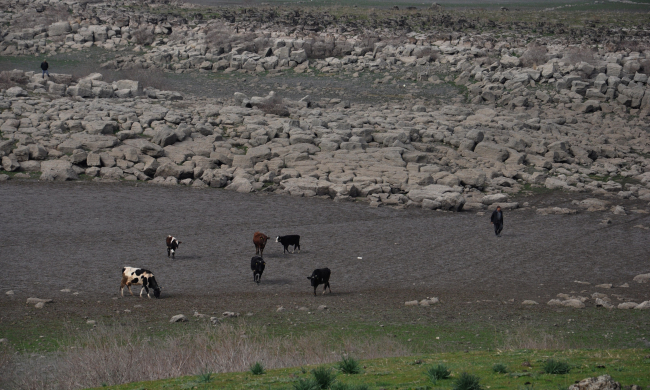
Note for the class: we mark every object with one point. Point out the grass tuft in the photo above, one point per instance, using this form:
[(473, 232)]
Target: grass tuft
[(324, 376), (552, 366), (467, 382), (349, 365), (306, 384), (436, 373), (204, 377), (257, 368), (345, 386), (500, 368)]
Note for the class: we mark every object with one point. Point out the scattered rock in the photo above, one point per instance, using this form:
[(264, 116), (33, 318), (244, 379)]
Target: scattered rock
[(643, 306), (178, 318), (606, 285), (91, 322), (529, 302), (38, 300), (642, 278), (228, 314), (627, 305), (603, 382), (10, 292), (322, 307), (411, 303)]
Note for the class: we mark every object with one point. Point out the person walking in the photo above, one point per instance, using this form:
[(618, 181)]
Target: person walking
[(497, 221), (44, 67)]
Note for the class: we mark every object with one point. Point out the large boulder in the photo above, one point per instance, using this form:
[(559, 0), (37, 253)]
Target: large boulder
[(443, 197), (240, 184), (510, 61), (59, 28), (164, 136), (172, 170), (146, 147), (472, 177), (100, 127), (16, 92), (57, 170), (492, 151)]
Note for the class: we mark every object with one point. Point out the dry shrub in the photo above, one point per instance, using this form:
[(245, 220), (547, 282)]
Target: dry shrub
[(527, 338), (575, 55), (143, 36), (535, 55), (275, 105), (119, 354)]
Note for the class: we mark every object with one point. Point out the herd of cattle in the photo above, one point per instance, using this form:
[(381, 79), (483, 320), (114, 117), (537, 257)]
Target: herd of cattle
[(141, 277)]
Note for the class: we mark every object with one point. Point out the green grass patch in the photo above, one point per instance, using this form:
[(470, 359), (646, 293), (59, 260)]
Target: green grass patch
[(401, 374), (349, 365), (257, 369), (555, 367), (437, 372), (499, 368)]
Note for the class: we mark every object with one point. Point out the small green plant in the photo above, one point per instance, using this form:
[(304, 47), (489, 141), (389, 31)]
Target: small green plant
[(500, 368), (552, 366), (324, 376), (306, 384), (438, 372), (349, 365), (257, 368), (204, 377), (467, 382)]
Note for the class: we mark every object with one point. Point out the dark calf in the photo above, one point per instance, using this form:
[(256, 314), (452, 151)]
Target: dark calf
[(320, 276), (286, 241), (257, 266)]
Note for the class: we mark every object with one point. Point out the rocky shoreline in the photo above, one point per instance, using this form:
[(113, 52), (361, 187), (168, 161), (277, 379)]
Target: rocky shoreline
[(549, 114)]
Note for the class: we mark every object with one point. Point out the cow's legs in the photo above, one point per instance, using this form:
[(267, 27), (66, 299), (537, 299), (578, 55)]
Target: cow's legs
[(294, 247), (168, 251), (326, 286), (315, 290), (129, 287)]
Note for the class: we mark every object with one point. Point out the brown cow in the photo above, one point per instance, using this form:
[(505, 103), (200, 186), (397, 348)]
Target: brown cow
[(259, 239)]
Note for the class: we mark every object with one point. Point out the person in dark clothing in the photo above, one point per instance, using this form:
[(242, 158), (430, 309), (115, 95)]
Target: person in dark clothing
[(497, 221), (44, 67)]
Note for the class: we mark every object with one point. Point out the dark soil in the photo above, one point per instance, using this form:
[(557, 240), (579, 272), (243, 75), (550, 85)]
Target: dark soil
[(80, 235)]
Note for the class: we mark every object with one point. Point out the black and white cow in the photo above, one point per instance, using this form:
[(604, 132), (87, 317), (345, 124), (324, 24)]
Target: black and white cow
[(257, 266), (320, 276), (139, 277), (172, 245), (289, 240)]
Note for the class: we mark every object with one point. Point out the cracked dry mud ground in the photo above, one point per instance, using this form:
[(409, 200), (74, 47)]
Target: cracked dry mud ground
[(80, 235)]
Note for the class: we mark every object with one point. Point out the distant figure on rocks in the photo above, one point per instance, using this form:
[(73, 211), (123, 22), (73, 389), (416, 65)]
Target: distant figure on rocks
[(497, 221), (44, 67)]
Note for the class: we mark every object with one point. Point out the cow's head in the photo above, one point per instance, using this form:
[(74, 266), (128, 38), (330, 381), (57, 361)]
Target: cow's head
[(156, 292), (314, 280), (277, 239)]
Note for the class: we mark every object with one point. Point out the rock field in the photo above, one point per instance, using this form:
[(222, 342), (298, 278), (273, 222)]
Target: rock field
[(559, 113)]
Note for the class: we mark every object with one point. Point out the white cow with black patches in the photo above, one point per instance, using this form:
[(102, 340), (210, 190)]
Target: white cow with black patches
[(139, 277)]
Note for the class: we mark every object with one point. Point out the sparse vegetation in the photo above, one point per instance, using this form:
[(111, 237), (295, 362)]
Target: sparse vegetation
[(500, 368), (306, 384), (257, 369), (324, 376), (552, 366), (349, 365), (467, 382), (437, 372)]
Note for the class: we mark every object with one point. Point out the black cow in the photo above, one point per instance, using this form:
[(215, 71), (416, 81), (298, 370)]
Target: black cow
[(320, 276), (257, 266), (289, 240)]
